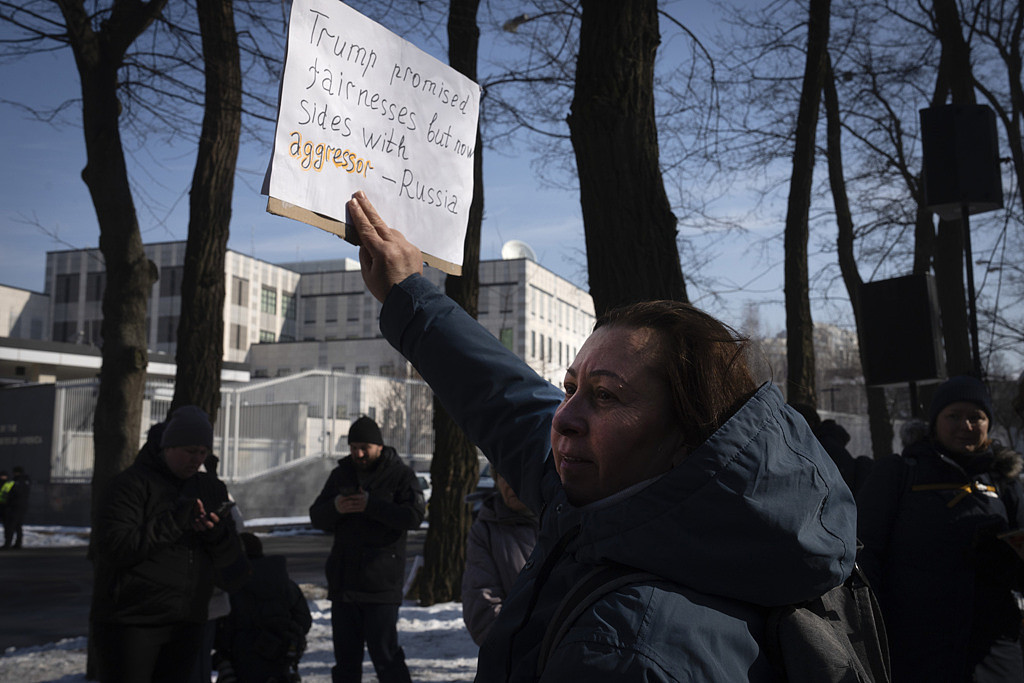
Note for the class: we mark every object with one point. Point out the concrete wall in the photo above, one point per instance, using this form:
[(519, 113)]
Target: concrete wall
[(285, 492)]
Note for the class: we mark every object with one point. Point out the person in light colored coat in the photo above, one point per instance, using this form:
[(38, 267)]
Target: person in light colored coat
[(500, 541), (661, 454)]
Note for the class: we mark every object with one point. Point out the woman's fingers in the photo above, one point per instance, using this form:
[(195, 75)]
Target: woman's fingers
[(385, 256)]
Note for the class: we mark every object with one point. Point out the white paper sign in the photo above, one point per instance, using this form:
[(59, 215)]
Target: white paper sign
[(362, 109)]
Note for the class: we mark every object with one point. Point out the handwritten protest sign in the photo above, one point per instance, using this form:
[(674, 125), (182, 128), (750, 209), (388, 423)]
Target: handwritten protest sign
[(362, 109)]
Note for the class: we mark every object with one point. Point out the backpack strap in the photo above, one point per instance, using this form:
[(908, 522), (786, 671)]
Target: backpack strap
[(596, 583)]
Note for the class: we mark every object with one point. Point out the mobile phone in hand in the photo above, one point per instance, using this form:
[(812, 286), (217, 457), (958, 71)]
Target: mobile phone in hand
[(224, 508)]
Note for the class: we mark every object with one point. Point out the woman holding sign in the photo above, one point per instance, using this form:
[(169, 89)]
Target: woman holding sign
[(662, 454)]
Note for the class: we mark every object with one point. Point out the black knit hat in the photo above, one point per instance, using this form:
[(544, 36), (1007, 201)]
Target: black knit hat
[(960, 388), (188, 426), (365, 430)]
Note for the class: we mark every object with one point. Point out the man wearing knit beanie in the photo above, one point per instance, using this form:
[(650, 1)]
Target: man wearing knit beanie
[(160, 544), (186, 440), (370, 502)]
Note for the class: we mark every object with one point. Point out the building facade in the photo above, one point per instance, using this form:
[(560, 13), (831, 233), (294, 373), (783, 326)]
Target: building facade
[(318, 315), (259, 302), (538, 315)]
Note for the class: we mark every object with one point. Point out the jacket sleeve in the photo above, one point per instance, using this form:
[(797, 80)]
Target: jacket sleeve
[(299, 608), (638, 633), (878, 503), (501, 404), (405, 511), (130, 528), (482, 592), (322, 513)]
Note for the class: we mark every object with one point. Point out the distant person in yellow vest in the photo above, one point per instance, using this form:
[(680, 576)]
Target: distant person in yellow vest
[(6, 484), (15, 507)]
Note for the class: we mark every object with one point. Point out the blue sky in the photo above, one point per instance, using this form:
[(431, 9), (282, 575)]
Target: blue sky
[(44, 204)]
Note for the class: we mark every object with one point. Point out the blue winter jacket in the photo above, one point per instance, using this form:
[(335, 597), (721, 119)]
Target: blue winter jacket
[(756, 516)]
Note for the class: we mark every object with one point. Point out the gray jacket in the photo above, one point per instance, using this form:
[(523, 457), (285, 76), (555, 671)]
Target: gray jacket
[(500, 541)]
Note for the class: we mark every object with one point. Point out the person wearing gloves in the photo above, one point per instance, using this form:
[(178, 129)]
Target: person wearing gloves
[(370, 502), (661, 454), (931, 522), (161, 541)]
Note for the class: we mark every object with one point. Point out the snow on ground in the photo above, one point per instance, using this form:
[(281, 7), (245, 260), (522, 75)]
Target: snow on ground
[(436, 643)]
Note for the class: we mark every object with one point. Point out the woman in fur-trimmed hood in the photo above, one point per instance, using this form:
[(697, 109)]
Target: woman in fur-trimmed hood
[(931, 523)]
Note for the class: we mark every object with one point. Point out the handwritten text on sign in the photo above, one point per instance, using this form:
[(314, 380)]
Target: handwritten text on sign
[(362, 109)]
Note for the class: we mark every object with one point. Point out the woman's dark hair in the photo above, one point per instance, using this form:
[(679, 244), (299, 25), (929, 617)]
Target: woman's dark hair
[(703, 359)]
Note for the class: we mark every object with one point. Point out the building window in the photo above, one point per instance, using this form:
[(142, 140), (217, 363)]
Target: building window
[(533, 343), (387, 370), (167, 329), (310, 307), (65, 290), (239, 337), (288, 306), (95, 328), (268, 301), (239, 291), (94, 286), (170, 280), (66, 331), (287, 338), (362, 369), (266, 336), (542, 347), (506, 337), (331, 310)]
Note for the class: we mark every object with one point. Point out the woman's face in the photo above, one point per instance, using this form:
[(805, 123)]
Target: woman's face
[(615, 427), (962, 427)]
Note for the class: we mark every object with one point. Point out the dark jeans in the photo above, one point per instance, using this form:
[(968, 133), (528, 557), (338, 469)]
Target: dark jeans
[(376, 625), (13, 521), (135, 654)]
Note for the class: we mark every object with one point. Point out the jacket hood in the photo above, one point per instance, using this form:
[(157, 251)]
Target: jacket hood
[(758, 513), (493, 509)]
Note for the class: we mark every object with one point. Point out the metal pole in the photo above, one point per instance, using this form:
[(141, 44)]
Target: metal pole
[(972, 306)]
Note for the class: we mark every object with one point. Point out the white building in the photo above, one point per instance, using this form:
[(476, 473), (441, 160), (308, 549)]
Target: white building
[(259, 302), (540, 316), (286, 318), (23, 314)]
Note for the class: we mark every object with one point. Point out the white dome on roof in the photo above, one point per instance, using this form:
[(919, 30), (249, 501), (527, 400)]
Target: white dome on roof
[(517, 249)]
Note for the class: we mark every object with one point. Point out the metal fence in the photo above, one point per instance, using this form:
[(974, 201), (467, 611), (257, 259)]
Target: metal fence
[(264, 425)]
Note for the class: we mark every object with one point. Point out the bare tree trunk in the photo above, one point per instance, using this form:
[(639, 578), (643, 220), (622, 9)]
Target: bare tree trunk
[(454, 469), (200, 348), (130, 275), (630, 229), (799, 324), (879, 420)]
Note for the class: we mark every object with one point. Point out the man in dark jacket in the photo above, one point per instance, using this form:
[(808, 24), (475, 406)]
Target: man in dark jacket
[(370, 501), (16, 507), (160, 543)]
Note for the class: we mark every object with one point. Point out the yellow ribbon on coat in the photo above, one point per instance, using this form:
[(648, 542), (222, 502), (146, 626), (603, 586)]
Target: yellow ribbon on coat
[(964, 489)]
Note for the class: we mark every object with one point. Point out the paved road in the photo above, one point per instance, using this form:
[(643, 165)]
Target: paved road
[(45, 592)]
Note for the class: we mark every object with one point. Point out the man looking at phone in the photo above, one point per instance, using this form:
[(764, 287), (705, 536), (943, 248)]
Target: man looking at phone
[(370, 501), (163, 538)]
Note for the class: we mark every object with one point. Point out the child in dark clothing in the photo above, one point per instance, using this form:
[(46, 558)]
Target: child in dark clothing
[(264, 636)]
